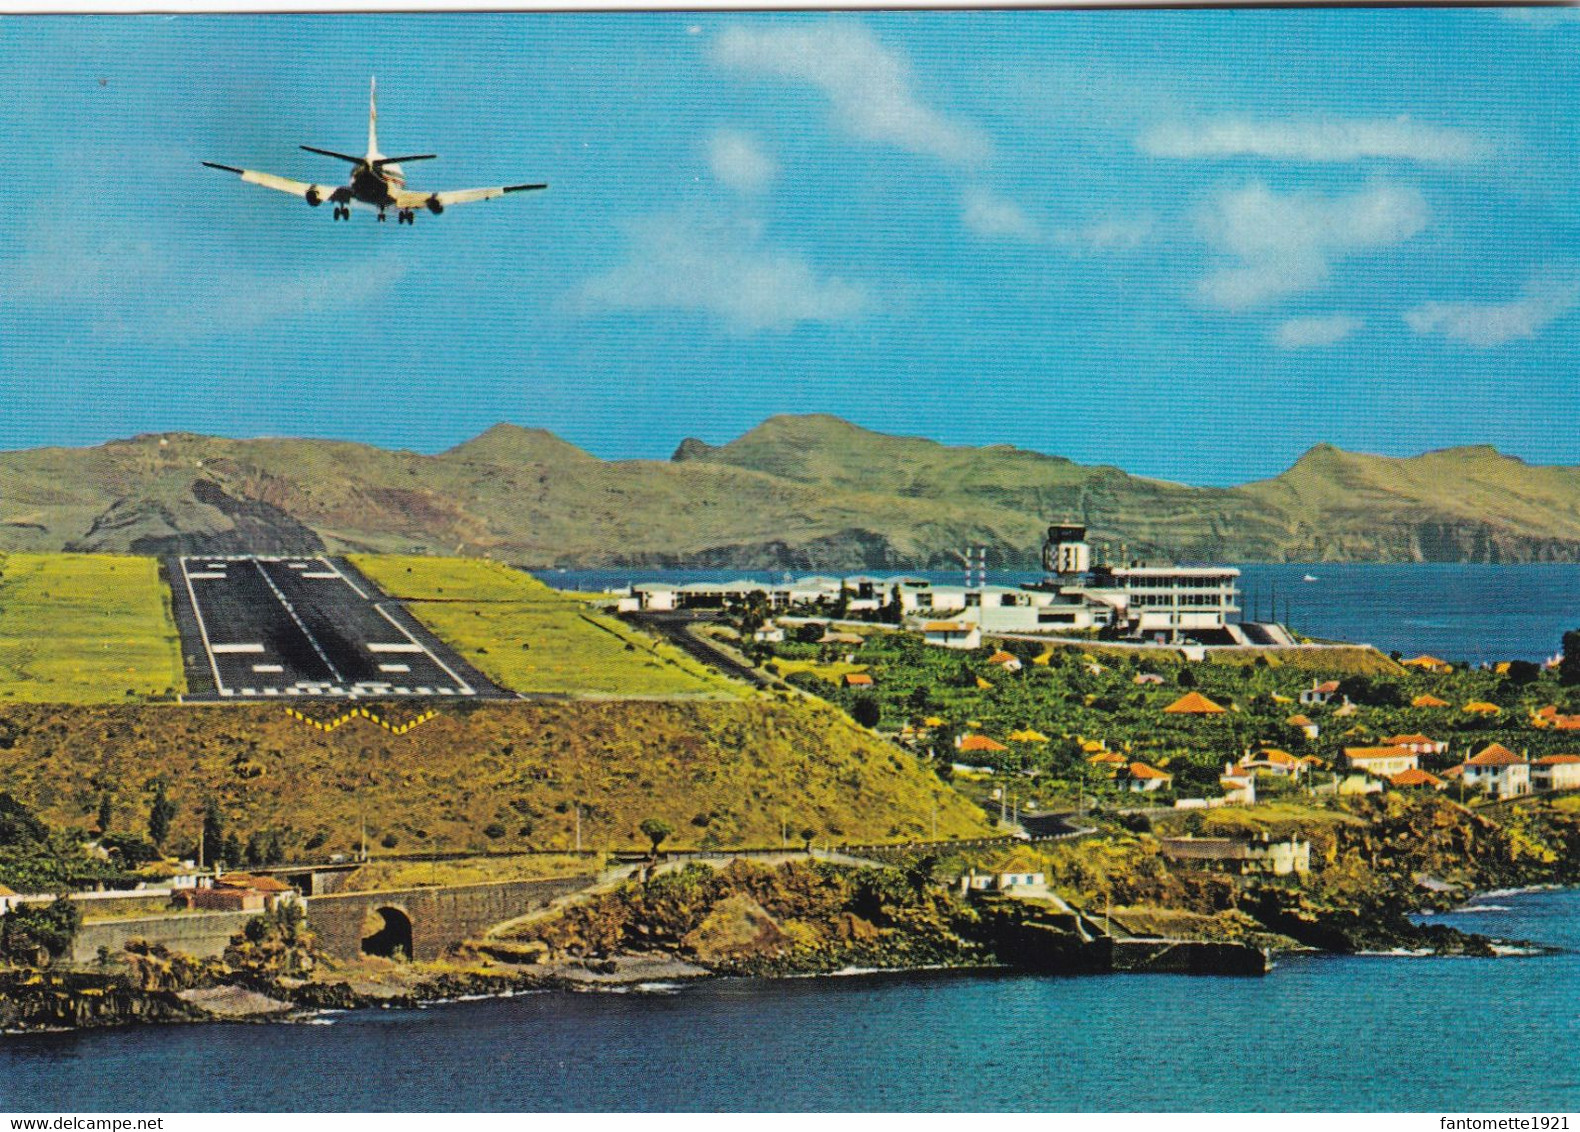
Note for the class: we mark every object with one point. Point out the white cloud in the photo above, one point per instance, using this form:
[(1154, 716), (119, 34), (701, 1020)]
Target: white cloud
[(988, 214), (870, 86), (1316, 139), (1484, 325), (237, 301), (1283, 244), (1315, 330), (739, 161), (994, 216), (677, 262)]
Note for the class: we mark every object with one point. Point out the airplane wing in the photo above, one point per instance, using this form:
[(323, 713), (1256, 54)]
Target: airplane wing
[(312, 194), (408, 198)]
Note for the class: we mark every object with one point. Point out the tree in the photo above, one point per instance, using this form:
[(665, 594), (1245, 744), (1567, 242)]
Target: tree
[(38, 933), (160, 815), (866, 711), (1569, 665), (655, 830), (807, 835), (213, 848), (106, 812)]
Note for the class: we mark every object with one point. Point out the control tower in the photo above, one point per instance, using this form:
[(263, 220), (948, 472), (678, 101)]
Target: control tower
[(1066, 555)]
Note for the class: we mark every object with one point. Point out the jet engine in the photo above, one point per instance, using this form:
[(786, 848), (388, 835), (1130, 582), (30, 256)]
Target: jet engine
[(434, 205), (313, 197)]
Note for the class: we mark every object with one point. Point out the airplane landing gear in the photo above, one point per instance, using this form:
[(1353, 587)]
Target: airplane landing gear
[(382, 217), (405, 216), (342, 212)]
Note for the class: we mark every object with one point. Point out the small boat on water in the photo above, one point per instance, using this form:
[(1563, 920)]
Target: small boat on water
[(1309, 578)]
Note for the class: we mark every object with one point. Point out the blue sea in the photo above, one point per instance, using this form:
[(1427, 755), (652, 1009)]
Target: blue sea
[(1458, 612), (1320, 1033)]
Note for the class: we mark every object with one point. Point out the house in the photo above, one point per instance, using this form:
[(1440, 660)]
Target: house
[(1270, 760), (8, 899), (1304, 724), (1384, 762), (1027, 735), (1355, 784), (973, 881), (1556, 772), (1418, 743), (1428, 664), (1481, 707), (833, 637), (1008, 661), (1145, 678), (1139, 778), (1498, 771), (1230, 854), (952, 634), (1417, 779), (978, 743), (1549, 717), (1427, 700), (1194, 703), (770, 634), (658, 596), (238, 892), (1319, 694), (1239, 786), (1108, 760), (857, 680)]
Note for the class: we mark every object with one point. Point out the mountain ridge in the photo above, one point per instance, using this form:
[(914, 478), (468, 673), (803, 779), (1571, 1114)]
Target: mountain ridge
[(812, 491)]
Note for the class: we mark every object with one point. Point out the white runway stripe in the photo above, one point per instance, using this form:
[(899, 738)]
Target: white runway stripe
[(221, 649), (402, 646)]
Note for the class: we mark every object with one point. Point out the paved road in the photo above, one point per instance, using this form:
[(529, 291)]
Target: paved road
[(281, 626)]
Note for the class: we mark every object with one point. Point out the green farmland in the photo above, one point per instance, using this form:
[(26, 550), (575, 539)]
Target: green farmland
[(530, 638), (85, 628)]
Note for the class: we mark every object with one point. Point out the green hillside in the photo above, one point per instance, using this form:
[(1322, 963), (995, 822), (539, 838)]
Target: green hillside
[(797, 493), (479, 776)]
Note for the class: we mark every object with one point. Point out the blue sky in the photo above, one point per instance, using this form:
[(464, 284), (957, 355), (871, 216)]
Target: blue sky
[(1192, 244)]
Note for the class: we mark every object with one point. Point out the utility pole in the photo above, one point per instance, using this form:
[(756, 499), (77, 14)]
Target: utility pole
[(578, 826)]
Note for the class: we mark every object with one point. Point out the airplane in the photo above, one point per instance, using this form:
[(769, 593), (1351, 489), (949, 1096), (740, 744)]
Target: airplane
[(375, 180)]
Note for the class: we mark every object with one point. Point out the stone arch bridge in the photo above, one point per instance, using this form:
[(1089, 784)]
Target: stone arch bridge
[(423, 922)]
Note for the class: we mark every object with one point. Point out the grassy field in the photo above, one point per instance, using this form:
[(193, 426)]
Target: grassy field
[(530, 638), (85, 628)]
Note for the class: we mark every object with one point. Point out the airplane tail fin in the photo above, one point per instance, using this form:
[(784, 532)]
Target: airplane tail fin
[(373, 117)]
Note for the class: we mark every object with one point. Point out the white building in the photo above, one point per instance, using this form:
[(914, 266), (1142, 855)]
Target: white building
[(1498, 771), (952, 634), (1556, 772)]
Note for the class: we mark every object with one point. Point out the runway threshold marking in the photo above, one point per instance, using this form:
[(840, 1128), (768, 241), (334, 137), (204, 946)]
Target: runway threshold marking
[(208, 650), (236, 648)]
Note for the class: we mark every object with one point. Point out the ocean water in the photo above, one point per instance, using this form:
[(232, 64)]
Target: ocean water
[(1458, 612), (1320, 1033)]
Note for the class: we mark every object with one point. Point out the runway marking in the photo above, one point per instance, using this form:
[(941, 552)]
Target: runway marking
[(394, 668), (400, 646), (297, 565), (312, 640), (207, 575), (448, 671), (354, 587), (235, 648), (219, 685), (268, 668), (320, 574)]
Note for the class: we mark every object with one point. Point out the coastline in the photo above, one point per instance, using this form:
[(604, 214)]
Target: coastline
[(416, 986)]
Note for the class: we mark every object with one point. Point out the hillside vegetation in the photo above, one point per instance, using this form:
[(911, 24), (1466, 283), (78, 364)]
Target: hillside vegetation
[(85, 629), (479, 776), (529, 638), (802, 492)]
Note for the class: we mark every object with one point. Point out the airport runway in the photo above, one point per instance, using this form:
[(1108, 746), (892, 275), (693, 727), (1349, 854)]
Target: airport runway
[(256, 627)]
